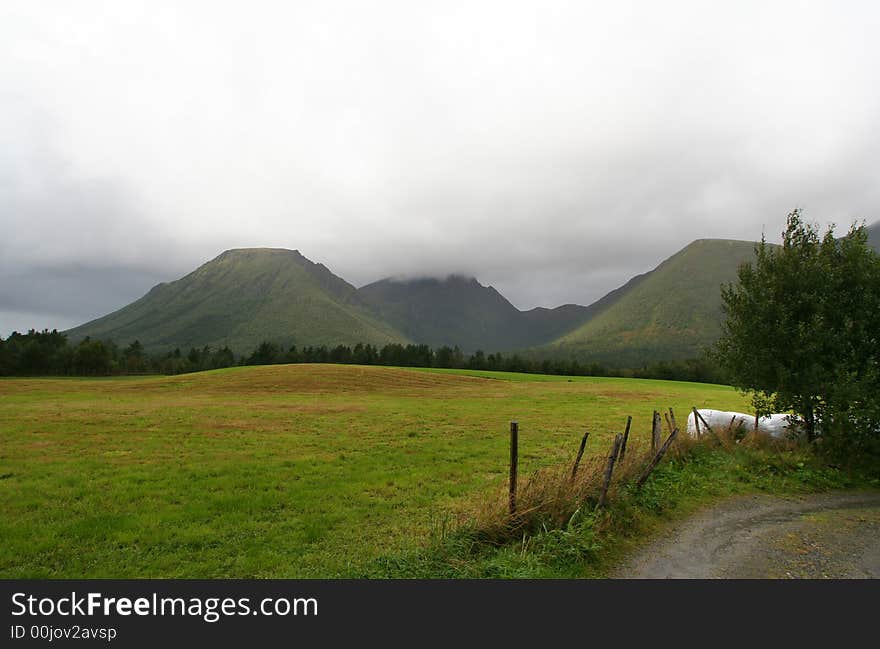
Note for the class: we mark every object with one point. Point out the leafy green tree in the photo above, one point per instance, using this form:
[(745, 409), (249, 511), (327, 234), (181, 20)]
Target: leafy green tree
[(443, 357), (292, 355), (266, 354), (477, 361), (194, 357), (222, 358), (92, 357), (35, 358), (134, 357), (801, 333), (6, 358), (457, 357), (340, 354)]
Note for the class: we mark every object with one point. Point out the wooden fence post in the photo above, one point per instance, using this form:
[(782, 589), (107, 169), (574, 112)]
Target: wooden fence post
[(514, 434), (657, 457), (655, 432), (580, 454), (609, 468), (697, 422), (629, 420), (672, 417), (705, 423)]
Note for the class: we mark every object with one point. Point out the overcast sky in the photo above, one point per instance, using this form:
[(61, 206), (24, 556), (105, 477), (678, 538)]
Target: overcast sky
[(552, 149)]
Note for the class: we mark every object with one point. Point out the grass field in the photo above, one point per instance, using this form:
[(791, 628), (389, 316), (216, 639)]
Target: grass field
[(280, 471)]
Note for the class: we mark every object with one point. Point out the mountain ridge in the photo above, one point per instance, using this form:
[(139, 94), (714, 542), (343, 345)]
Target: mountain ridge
[(245, 296), (458, 310)]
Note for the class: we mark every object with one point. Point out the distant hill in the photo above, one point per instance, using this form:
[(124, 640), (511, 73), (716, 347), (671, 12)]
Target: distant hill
[(670, 313), (241, 298), (458, 310)]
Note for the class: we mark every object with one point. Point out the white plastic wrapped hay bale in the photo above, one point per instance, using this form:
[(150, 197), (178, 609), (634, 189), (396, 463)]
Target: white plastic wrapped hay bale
[(719, 420), (775, 425)]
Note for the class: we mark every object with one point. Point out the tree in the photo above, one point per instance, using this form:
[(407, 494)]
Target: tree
[(801, 333), (443, 357), (223, 358), (134, 357), (477, 361), (6, 366), (93, 357), (266, 354)]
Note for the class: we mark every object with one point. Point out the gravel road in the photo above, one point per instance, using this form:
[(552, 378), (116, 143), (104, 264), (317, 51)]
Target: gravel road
[(832, 535)]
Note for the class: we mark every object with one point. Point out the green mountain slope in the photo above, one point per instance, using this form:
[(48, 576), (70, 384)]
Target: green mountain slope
[(242, 298), (460, 311), (874, 235), (671, 313)]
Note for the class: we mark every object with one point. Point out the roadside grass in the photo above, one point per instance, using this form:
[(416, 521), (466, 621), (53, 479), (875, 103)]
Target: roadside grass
[(588, 542), (324, 471)]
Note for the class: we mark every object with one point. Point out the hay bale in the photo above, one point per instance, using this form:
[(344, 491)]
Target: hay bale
[(777, 425)]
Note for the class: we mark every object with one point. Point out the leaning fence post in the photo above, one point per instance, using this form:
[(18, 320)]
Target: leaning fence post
[(705, 423), (609, 468), (657, 457), (514, 434), (697, 422), (580, 454), (629, 420)]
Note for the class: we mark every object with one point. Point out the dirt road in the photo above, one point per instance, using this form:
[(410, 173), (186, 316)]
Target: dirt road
[(834, 535)]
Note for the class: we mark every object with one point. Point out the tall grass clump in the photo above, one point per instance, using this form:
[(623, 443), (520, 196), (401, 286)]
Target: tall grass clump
[(554, 498)]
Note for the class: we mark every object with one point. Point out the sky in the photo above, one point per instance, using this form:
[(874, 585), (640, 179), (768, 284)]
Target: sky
[(551, 149)]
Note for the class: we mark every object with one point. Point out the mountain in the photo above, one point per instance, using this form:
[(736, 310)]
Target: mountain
[(874, 236), (458, 310), (670, 313), (245, 296), (241, 298)]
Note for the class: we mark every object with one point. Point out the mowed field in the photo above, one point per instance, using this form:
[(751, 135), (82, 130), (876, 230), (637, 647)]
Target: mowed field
[(281, 471)]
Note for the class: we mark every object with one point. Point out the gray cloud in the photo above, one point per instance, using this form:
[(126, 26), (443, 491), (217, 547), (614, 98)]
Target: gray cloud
[(553, 149)]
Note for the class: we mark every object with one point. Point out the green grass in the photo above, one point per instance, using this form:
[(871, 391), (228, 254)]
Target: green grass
[(282, 471), (593, 542)]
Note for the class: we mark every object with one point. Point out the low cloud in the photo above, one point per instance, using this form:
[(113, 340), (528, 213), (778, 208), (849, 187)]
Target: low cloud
[(553, 150)]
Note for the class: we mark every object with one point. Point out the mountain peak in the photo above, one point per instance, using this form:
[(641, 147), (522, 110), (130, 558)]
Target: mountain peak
[(258, 252), (243, 297), (458, 310), (452, 279)]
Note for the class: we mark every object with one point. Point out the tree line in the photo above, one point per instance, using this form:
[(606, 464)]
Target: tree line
[(49, 353)]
